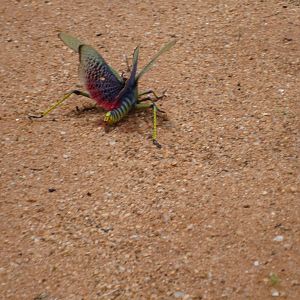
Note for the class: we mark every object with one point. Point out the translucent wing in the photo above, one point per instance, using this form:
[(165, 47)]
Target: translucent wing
[(152, 61), (70, 41), (99, 79)]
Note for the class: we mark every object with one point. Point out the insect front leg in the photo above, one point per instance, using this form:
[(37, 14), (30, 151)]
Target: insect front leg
[(156, 97), (58, 103)]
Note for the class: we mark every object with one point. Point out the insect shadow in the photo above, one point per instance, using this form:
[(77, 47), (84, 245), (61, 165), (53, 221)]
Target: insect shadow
[(136, 117)]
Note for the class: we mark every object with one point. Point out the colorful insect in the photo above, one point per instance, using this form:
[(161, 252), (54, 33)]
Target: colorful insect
[(111, 91)]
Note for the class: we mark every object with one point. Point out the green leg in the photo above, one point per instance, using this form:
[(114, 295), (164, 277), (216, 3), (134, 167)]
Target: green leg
[(156, 97), (59, 102), (155, 109)]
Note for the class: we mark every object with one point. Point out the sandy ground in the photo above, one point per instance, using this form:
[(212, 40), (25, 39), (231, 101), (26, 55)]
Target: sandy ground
[(214, 214)]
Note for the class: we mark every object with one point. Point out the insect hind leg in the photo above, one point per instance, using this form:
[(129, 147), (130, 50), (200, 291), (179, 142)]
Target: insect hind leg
[(155, 109), (58, 103)]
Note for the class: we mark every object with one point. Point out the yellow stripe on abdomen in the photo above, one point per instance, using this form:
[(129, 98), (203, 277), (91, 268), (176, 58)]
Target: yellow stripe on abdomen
[(119, 113)]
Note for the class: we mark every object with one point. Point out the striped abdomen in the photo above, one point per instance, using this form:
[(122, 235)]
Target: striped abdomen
[(117, 114)]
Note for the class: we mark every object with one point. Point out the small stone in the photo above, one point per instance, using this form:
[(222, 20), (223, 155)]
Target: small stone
[(274, 293), (239, 232), (179, 294), (256, 263), (121, 269), (264, 193), (107, 229), (190, 227), (295, 282), (51, 190), (278, 238), (42, 296), (35, 239)]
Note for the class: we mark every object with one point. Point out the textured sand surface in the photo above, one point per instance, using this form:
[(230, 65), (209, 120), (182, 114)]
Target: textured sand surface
[(214, 214)]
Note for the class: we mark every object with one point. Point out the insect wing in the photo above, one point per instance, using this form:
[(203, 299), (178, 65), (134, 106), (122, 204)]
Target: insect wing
[(167, 47), (100, 80), (70, 41), (131, 82)]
